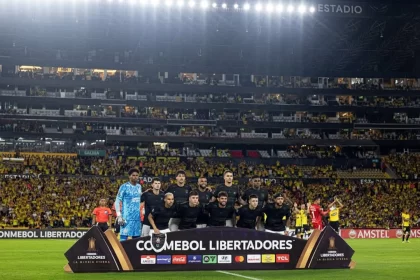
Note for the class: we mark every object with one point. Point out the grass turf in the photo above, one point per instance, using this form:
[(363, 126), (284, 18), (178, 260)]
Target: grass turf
[(376, 259)]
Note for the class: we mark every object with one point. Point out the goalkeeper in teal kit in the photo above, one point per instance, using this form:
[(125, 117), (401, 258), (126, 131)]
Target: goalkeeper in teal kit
[(128, 214)]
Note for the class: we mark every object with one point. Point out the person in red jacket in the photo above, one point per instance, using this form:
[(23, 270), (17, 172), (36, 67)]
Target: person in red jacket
[(102, 215), (317, 213)]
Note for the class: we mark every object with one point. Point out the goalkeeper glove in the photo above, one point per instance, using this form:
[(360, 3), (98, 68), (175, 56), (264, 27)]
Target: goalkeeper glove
[(120, 220)]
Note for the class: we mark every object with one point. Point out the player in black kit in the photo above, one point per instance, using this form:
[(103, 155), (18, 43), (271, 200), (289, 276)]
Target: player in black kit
[(219, 211), (181, 193), (151, 198), (250, 214), (233, 194), (262, 195), (275, 215), (160, 216), (189, 212), (204, 197)]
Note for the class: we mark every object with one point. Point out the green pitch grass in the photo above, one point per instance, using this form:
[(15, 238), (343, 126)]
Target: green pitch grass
[(376, 259)]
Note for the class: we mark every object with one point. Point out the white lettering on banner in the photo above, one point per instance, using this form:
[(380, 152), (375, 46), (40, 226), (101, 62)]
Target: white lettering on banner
[(21, 176), (415, 233), (330, 255), (146, 179), (377, 233), (340, 9), (91, 257), (219, 245), (51, 234), (268, 180)]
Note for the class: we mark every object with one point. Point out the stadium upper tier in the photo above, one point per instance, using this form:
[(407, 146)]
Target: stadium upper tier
[(293, 163), (204, 82)]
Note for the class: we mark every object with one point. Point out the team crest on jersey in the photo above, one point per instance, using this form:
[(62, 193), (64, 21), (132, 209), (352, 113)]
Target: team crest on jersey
[(106, 212), (158, 242)]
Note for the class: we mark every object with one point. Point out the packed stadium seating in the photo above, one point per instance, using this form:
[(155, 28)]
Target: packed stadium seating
[(61, 198)]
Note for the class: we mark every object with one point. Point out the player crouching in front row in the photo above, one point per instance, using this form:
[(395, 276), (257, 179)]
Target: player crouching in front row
[(160, 216)]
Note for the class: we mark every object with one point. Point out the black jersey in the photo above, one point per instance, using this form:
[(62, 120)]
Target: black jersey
[(181, 194), (274, 220), (162, 215), (262, 195), (232, 192), (248, 217), (218, 215), (151, 201), (204, 199), (188, 215)]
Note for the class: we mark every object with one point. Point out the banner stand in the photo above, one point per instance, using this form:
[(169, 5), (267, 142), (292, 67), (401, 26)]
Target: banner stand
[(216, 248)]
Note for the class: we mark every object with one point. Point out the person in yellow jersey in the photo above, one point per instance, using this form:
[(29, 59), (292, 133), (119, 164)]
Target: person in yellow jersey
[(405, 215), (334, 214), (302, 227)]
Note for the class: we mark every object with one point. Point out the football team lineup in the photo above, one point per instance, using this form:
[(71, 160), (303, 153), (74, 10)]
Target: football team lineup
[(372, 257)]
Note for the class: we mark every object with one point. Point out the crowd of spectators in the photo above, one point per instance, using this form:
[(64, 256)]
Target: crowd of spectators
[(68, 202), (166, 163), (406, 165)]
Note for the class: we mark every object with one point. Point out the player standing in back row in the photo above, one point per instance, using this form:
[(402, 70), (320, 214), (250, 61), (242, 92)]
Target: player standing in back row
[(181, 193), (128, 215), (151, 198), (262, 195), (204, 197), (233, 194)]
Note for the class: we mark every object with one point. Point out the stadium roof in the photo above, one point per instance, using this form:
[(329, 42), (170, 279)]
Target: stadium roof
[(316, 38)]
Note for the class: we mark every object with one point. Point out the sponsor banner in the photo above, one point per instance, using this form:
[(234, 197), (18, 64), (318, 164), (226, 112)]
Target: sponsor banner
[(224, 259), (148, 259), (195, 259), (218, 248), (370, 233), (20, 176), (41, 234), (179, 259), (164, 259), (91, 153), (28, 154)]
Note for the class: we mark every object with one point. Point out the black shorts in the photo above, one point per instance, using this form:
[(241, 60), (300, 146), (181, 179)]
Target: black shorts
[(407, 229), (299, 230), (117, 227), (306, 228), (103, 226), (335, 225)]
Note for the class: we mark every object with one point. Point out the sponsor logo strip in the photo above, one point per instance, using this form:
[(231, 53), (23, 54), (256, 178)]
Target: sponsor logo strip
[(209, 259), (224, 259), (282, 258), (268, 258), (148, 259), (253, 258), (179, 259), (195, 259), (164, 259)]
